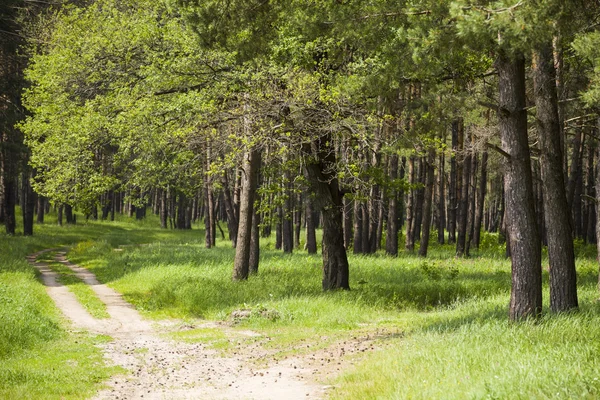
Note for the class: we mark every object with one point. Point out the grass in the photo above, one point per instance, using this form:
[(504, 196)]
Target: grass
[(441, 322), (83, 292)]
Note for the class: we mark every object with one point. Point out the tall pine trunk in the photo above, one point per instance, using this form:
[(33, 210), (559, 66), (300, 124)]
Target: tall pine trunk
[(428, 200), (521, 226), (241, 266), (481, 188), (391, 237), (561, 255)]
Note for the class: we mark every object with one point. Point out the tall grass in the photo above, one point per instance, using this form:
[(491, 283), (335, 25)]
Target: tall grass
[(441, 322)]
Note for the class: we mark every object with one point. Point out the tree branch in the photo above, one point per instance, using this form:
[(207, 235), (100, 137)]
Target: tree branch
[(498, 149)]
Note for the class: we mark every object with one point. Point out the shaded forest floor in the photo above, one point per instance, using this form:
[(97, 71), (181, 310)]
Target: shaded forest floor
[(409, 328)]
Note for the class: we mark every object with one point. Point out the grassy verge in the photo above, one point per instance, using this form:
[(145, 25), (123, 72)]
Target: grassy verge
[(40, 358)]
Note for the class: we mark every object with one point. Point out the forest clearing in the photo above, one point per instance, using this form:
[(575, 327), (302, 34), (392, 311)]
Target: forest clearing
[(269, 199), (409, 328)]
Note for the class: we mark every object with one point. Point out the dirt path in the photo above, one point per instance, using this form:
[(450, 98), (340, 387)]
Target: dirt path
[(160, 368)]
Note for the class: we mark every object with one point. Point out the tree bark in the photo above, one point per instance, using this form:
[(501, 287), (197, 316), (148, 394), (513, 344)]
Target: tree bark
[(311, 237), (452, 187), (241, 267), (561, 255), (320, 173), (28, 202), (41, 209), (391, 237), (463, 200), (232, 222), (427, 206), (410, 220), (481, 189), (441, 200), (521, 226)]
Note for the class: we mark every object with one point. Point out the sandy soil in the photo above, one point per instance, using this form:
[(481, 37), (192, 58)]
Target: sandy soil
[(160, 368)]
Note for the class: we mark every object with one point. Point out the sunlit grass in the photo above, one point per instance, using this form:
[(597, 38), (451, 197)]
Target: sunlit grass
[(442, 323)]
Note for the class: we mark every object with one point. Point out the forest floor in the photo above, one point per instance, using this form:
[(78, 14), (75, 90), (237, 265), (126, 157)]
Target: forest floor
[(155, 366)]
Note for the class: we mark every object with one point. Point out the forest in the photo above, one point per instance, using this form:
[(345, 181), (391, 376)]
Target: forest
[(430, 166)]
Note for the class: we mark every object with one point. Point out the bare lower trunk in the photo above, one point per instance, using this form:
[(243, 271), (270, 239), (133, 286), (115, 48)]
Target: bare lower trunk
[(561, 255), (410, 220), (324, 184), (391, 238), (28, 203), (521, 226), (311, 237), (427, 206), (480, 200), (241, 267)]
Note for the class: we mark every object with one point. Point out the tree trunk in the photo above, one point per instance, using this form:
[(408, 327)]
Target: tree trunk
[(561, 255), (591, 194), (410, 220), (232, 222), (521, 226), (391, 237), (60, 215), (427, 206), (480, 200), (311, 237), (288, 214), (254, 258), (419, 199), (28, 202), (347, 222), (452, 187), (358, 228), (463, 199), (441, 200), (320, 173), (241, 267), (41, 209), (164, 213)]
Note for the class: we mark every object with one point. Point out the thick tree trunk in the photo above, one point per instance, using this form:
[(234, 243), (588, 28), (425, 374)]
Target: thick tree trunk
[(69, 214), (561, 255), (241, 267), (320, 173), (427, 206), (521, 226)]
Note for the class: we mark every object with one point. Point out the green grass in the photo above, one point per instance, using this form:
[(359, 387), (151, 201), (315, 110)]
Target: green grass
[(83, 292), (441, 323)]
